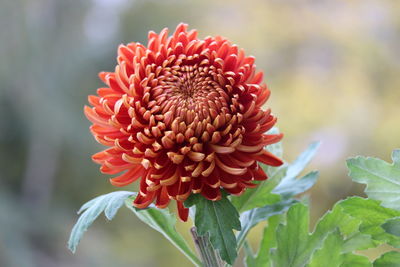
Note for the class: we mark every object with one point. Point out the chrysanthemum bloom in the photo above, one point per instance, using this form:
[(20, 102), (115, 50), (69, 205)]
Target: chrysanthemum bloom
[(184, 116)]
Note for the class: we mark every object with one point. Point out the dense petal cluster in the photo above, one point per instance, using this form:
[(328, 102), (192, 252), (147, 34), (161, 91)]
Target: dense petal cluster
[(184, 116)]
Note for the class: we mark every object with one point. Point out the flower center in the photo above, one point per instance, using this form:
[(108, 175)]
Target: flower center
[(186, 84), (192, 89)]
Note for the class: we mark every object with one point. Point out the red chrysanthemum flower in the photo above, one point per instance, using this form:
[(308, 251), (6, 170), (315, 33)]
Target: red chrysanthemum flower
[(184, 116)]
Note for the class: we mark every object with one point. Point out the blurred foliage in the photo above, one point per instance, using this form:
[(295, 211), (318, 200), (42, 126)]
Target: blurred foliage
[(332, 66)]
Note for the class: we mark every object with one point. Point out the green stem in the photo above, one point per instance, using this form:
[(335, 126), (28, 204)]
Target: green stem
[(247, 248), (208, 255), (241, 238)]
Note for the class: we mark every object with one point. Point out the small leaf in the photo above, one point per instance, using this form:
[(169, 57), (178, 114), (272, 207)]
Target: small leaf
[(114, 203), (261, 195), (251, 218), (372, 215), (381, 177), (263, 258), (353, 260), (295, 246), (290, 186), (389, 259), (331, 249), (392, 226), (282, 182), (359, 241), (302, 161), (110, 203), (218, 218), (164, 222), (348, 226), (336, 218), (249, 260), (292, 238)]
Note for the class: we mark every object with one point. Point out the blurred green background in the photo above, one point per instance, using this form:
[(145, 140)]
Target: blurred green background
[(333, 68)]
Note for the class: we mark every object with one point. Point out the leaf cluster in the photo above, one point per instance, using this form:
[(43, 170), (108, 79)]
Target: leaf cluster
[(352, 225)]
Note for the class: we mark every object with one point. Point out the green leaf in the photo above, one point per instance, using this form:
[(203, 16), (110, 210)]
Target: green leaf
[(353, 260), (336, 218), (389, 259), (249, 259), (109, 203), (263, 258), (357, 228), (348, 226), (218, 218), (359, 241), (331, 249), (381, 177), (164, 222), (372, 215), (302, 161), (392, 226), (251, 218), (261, 195), (282, 182), (290, 186), (292, 238)]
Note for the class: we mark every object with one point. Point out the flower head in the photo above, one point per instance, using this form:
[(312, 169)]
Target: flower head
[(183, 115)]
